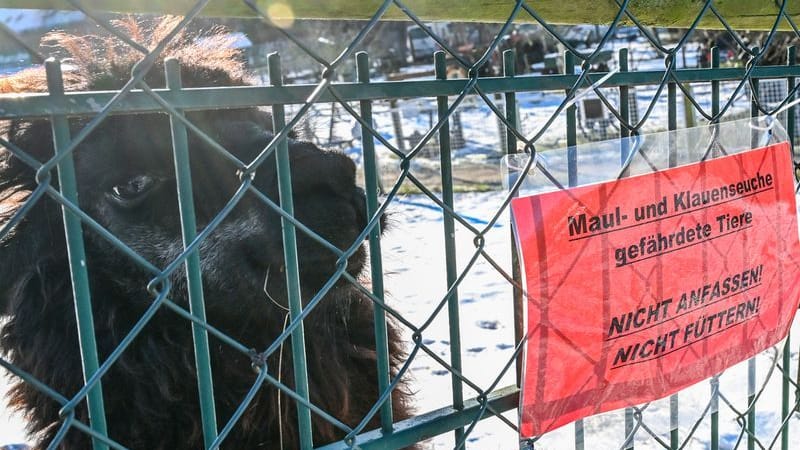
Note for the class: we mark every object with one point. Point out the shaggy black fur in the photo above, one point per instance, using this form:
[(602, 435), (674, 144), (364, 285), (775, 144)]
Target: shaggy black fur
[(126, 183)]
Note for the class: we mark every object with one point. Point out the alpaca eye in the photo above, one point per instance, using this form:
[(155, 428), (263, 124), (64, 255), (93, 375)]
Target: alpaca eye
[(134, 191)]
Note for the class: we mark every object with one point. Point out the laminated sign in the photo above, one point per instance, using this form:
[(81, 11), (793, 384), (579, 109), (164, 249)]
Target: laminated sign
[(640, 287)]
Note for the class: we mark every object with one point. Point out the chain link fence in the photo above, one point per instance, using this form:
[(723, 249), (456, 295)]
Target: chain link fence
[(471, 242)]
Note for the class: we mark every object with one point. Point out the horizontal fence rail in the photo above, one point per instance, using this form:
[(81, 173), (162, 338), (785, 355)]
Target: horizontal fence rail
[(77, 103), (364, 102)]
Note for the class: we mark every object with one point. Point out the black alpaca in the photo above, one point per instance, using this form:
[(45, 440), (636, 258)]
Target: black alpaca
[(126, 183)]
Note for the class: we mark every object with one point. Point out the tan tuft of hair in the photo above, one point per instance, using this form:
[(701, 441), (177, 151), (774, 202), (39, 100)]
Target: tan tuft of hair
[(93, 62)]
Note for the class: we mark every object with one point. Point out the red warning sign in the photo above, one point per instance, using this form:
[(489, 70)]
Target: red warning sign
[(640, 287)]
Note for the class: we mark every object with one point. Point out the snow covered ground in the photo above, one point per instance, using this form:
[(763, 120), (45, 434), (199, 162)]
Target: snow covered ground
[(416, 281)]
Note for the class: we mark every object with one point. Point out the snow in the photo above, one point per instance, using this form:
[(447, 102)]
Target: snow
[(12, 428), (417, 284), (416, 280)]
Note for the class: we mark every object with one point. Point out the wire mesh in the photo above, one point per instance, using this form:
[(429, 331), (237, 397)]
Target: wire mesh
[(613, 102)]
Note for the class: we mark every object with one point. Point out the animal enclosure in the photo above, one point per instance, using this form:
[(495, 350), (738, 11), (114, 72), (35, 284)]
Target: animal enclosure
[(467, 243)]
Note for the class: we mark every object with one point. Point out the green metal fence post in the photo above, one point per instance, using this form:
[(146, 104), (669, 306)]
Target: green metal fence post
[(714, 412), (572, 126), (572, 181), (77, 257), (714, 381), (791, 59), (629, 429), (371, 180), (791, 114), (672, 107), (509, 70), (291, 260), (512, 115), (715, 94), (624, 107), (624, 150), (451, 265), (714, 82), (751, 396), (751, 363), (674, 438), (672, 157), (183, 178)]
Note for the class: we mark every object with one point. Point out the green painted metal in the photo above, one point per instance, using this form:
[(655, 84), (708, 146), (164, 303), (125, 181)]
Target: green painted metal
[(510, 97), (291, 259), (183, 178), (629, 429), (751, 363), (751, 404), (624, 107), (451, 265), (512, 114), (715, 381), (624, 152), (674, 438), (462, 412), (43, 105), (372, 184), (572, 180), (672, 121), (77, 259), (186, 95), (786, 386), (572, 125), (715, 82), (434, 423), (786, 410), (791, 114), (714, 439), (672, 124)]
